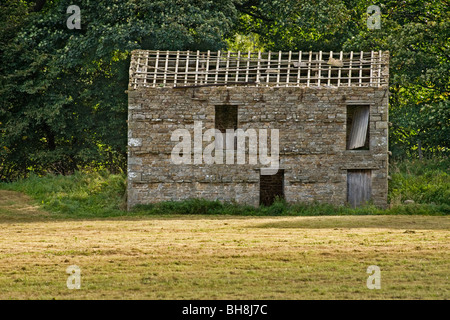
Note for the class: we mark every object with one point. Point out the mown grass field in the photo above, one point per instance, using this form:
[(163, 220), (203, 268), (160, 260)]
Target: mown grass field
[(220, 256)]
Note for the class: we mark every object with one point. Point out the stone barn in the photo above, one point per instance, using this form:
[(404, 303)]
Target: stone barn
[(251, 127)]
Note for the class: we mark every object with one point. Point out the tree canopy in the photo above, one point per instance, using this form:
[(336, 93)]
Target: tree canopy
[(416, 32), (62, 91), (63, 95)]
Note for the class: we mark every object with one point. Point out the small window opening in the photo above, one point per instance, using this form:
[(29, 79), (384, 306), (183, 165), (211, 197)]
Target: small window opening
[(358, 127), (226, 117)]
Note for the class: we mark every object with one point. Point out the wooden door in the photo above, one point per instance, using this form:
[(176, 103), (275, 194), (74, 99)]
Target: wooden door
[(359, 187)]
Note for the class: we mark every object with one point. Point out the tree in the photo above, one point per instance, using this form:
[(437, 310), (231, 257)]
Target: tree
[(417, 35), (416, 32), (63, 95), (62, 92)]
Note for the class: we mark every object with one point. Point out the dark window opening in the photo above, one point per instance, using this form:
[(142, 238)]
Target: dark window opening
[(358, 127), (271, 187), (359, 187), (226, 117)]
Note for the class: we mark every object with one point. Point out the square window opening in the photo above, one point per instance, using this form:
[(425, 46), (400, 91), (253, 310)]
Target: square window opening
[(226, 118)]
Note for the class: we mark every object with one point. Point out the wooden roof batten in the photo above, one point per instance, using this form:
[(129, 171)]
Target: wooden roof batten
[(187, 69)]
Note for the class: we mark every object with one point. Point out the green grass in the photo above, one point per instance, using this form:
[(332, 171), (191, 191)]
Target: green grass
[(281, 208), (426, 182), (101, 194), (195, 257), (83, 194)]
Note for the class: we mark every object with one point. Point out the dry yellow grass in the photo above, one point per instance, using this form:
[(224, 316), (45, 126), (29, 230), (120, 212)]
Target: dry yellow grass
[(199, 257)]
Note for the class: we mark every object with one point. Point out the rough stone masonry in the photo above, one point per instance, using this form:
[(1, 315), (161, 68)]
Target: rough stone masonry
[(313, 122)]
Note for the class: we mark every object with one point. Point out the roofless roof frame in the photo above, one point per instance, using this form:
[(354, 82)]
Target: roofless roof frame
[(183, 69)]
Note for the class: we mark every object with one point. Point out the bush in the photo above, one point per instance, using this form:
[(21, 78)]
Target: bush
[(82, 194), (423, 181)]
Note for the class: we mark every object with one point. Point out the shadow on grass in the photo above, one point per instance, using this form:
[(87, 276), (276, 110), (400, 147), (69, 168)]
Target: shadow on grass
[(407, 223)]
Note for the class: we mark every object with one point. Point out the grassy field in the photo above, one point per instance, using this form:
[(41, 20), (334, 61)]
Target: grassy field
[(220, 256)]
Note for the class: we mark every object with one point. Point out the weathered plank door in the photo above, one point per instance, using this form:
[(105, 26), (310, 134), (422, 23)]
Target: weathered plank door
[(359, 187)]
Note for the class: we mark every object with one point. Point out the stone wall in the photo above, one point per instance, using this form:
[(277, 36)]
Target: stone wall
[(312, 134)]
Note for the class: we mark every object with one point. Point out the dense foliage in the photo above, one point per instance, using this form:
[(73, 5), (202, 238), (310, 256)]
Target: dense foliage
[(417, 34), (62, 92)]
